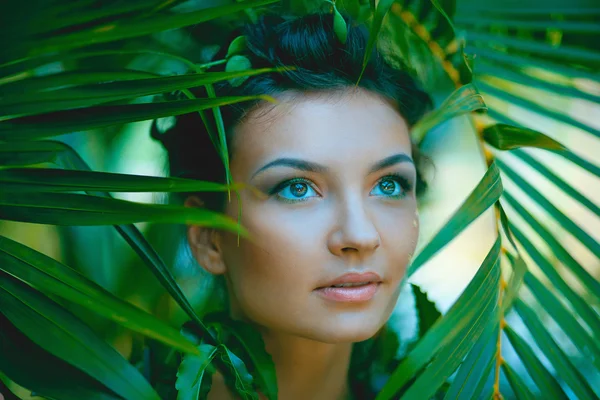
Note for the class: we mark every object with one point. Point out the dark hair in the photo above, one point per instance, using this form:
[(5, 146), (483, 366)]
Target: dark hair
[(322, 63)]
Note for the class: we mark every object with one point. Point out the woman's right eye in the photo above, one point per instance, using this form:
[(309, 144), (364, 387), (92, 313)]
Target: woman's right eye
[(298, 190)]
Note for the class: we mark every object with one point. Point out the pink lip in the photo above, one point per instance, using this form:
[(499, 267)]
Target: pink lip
[(351, 294)]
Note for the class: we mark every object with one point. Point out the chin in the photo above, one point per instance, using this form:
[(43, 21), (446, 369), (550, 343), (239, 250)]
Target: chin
[(347, 332)]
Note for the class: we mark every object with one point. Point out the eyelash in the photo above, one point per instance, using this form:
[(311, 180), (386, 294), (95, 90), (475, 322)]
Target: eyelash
[(404, 183), (282, 185)]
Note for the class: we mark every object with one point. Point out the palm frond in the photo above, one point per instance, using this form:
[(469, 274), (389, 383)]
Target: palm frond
[(532, 69)]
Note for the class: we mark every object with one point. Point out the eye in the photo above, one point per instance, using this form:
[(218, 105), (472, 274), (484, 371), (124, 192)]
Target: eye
[(295, 190), (390, 186)]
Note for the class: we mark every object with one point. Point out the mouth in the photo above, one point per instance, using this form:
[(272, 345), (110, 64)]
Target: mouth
[(351, 288)]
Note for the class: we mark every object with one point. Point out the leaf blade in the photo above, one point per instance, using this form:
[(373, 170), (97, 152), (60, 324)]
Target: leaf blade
[(448, 327), (58, 331), (85, 210), (60, 122), (486, 193), (63, 180), (45, 273)]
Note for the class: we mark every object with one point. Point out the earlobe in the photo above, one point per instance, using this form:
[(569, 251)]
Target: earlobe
[(205, 244)]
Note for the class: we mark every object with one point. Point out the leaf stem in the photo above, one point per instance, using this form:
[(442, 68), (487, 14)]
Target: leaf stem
[(499, 360)]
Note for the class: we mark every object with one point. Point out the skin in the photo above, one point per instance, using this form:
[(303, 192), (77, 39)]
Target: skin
[(352, 217)]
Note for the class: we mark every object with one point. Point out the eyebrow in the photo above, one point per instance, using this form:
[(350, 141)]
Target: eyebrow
[(296, 163), (310, 166), (391, 160)]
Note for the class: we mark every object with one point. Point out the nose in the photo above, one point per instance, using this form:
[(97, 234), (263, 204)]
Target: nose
[(354, 233)]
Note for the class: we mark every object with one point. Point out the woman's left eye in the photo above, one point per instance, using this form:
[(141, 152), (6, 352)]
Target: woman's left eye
[(388, 187), (296, 191)]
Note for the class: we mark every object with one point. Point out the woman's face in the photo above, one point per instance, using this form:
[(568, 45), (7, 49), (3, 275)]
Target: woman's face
[(339, 183)]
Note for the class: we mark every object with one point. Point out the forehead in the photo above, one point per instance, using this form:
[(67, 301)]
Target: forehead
[(324, 127)]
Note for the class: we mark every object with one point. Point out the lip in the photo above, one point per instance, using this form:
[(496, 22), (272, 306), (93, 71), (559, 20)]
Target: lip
[(351, 294)]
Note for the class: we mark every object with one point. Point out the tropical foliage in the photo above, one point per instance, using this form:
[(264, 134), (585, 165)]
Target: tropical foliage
[(529, 317)]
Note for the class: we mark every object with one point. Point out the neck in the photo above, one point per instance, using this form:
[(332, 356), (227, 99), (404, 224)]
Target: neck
[(307, 369)]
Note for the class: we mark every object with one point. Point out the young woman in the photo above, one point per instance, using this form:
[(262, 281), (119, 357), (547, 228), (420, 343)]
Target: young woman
[(337, 223)]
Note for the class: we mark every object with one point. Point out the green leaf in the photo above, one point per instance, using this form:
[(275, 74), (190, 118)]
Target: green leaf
[(568, 155), (237, 46), (382, 9), (581, 306), (62, 334), (474, 369), (464, 312), (238, 63), (548, 23), (451, 355), (521, 60), (238, 378), (29, 63), (339, 25), (351, 8), (516, 100), (565, 319), (84, 210), (60, 122), (190, 375), (34, 103), (427, 312), (31, 367), (564, 186), (69, 78), (586, 239), (583, 163), (222, 135), (129, 28), (30, 153), (507, 137), (462, 101), (506, 226), (518, 74), (519, 269), (62, 180), (564, 368), (517, 385), (157, 266), (483, 382), (48, 275), (545, 381), (137, 242), (81, 12), (486, 193), (247, 342), (574, 54)]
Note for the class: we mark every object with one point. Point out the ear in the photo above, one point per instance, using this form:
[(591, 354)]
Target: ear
[(205, 243)]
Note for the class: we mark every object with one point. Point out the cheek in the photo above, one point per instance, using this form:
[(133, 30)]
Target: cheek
[(273, 274), (399, 233)]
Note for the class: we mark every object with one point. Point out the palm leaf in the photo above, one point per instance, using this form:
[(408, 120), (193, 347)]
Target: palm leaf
[(505, 67), (65, 336), (48, 275), (522, 63)]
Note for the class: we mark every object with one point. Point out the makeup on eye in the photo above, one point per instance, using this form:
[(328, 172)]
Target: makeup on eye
[(293, 190), (310, 166), (392, 186)]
